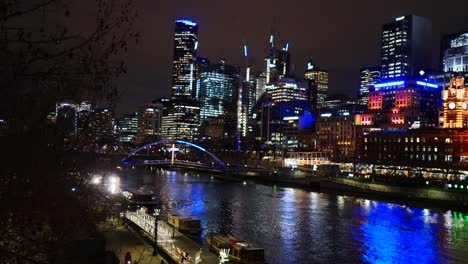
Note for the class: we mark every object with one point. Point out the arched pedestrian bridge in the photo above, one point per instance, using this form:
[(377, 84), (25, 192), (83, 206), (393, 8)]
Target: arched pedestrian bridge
[(173, 152)]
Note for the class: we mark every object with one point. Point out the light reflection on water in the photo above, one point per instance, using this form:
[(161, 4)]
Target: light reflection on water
[(298, 226)]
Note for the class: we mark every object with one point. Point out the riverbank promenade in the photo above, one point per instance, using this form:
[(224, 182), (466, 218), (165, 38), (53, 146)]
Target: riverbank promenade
[(171, 243)]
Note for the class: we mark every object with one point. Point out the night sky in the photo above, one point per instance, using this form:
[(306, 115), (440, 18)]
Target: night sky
[(340, 36)]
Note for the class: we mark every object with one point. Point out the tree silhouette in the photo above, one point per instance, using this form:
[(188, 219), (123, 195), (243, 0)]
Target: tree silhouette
[(50, 52)]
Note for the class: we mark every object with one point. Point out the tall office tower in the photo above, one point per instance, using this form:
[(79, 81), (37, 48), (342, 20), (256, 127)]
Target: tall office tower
[(83, 114), (215, 89), (201, 65), (149, 123), (181, 120), (369, 77), (250, 90), (260, 83), (185, 57), (277, 62), (101, 123), (72, 118), (455, 52), (66, 119), (455, 106), (127, 129), (406, 46), (318, 84)]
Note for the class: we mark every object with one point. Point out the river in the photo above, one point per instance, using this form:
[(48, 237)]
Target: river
[(302, 226)]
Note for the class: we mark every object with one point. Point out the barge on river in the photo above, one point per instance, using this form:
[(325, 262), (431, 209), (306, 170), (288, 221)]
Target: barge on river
[(185, 224), (239, 251)]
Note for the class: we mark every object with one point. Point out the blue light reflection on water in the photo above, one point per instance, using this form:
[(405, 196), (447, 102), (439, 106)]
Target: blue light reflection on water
[(298, 226), (388, 231)]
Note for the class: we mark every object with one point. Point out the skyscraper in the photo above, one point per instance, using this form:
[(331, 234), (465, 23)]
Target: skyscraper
[(182, 118), (102, 126), (215, 89), (185, 57), (149, 123), (277, 62), (369, 77), (406, 46), (127, 129), (455, 52), (318, 85)]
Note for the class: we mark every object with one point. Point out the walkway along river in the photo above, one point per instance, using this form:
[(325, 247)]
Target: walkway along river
[(300, 226)]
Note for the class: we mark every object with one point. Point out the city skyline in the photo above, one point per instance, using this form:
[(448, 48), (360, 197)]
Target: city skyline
[(224, 30)]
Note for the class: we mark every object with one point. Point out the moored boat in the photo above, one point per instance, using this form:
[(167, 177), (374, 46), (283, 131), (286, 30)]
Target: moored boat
[(184, 224), (240, 251)]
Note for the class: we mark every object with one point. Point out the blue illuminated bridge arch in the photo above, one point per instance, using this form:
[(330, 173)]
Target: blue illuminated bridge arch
[(177, 141)]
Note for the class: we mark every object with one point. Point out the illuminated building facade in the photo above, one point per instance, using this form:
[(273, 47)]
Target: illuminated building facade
[(401, 104), (318, 84), (216, 89), (127, 129), (369, 77), (455, 104), (149, 123), (287, 90), (185, 57), (455, 52), (182, 120), (434, 148), (406, 46), (336, 135)]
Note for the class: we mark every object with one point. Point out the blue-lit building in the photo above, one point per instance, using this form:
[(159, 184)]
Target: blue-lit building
[(285, 104), (402, 103), (216, 89), (406, 46)]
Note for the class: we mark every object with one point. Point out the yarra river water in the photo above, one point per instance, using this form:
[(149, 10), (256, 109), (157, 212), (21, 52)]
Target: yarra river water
[(301, 226)]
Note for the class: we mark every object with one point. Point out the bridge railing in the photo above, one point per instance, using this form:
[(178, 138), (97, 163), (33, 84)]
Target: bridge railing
[(176, 162)]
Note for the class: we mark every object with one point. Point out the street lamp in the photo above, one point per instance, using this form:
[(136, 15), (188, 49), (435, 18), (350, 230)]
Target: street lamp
[(156, 214)]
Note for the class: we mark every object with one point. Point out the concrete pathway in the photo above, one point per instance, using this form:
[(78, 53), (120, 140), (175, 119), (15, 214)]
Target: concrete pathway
[(122, 240)]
